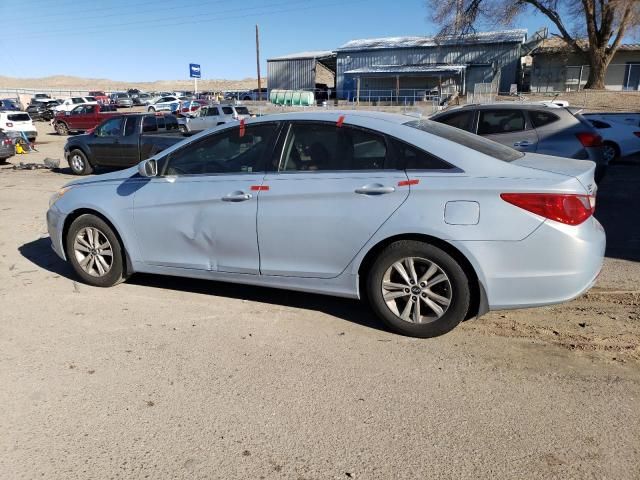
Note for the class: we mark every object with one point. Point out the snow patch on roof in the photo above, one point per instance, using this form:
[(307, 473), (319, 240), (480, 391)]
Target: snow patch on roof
[(305, 55), (505, 36)]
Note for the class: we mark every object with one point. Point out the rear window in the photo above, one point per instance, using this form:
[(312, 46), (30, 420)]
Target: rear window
[(149, 124), (171, 122), (123, 95), (600, 125), (541, 118), (466, 139), (19, 117)]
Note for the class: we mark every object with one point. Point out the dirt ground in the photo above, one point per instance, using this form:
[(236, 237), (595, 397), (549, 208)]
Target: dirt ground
[(165, 377)]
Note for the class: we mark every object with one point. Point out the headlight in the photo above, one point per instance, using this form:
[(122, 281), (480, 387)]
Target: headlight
[(58, 195)]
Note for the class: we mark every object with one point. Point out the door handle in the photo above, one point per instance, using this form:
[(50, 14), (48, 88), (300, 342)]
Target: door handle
[(523, 143), (236, 197), (374, 189)]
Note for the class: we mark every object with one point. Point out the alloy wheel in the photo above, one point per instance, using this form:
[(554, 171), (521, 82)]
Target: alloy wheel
[(77, 162), (416, 290), (93, 251)]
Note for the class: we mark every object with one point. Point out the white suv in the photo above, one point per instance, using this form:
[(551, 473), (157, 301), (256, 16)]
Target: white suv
[(72, 102), (18, 122)]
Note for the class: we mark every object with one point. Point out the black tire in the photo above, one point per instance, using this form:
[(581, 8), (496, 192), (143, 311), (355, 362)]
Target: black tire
[(457, 288), (151, 110), (61, 128), (79, 163), (183, 129), (116, 272), (612, 151)]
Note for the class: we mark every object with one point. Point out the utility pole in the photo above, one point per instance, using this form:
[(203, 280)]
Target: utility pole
[(258, 64)]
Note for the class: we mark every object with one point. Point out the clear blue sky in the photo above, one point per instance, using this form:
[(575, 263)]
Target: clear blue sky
[(146, 40)]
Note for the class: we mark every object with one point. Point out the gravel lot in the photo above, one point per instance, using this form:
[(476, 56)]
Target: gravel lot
[(165, 377)]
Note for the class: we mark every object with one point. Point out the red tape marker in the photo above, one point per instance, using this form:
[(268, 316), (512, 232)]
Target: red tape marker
[(259, 188), (340, 121), (406, 183), (242, 129)]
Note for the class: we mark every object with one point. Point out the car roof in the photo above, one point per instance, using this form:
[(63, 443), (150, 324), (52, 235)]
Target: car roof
[(333, 115), (508, 105)]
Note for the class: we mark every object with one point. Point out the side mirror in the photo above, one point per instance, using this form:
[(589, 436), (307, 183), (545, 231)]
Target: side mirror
[(148, 168)]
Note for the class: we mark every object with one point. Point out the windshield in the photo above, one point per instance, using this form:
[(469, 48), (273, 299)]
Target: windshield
[(123, 95), (469, 140), (97, 94)]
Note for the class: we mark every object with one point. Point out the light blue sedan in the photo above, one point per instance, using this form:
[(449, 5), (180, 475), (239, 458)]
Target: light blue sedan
[(430, 223)]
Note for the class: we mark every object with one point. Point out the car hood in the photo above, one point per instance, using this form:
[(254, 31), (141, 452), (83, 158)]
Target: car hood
[(116, 176)]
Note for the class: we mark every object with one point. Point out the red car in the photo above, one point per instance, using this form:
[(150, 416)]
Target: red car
[(100, 97), (82, 118)]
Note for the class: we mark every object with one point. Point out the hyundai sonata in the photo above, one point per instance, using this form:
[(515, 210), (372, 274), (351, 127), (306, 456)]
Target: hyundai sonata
[(429, 223)]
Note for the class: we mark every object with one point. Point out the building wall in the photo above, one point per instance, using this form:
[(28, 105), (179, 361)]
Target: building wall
[(562, 72), (296, 74), (504, 57)]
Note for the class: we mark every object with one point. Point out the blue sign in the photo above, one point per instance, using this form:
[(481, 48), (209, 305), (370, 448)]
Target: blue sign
[(194, 70)]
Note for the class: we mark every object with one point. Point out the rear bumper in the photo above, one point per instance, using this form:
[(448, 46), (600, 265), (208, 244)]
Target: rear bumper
[(554, 264)]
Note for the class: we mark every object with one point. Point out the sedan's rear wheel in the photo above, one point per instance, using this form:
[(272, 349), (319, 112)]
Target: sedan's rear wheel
[(418, 289), (95, 251)]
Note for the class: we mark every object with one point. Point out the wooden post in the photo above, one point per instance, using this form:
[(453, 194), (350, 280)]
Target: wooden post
[(258, 64)]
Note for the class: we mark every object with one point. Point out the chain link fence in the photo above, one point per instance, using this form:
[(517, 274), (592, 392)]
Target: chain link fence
[(573, 78)]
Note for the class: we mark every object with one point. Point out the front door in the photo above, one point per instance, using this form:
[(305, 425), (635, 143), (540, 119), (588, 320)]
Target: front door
[(508, 127), (105, 145), (200, 213), (334, 188)]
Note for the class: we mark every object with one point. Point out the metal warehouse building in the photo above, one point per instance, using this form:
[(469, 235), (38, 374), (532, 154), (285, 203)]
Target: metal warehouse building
[(401, 65), (302, 71)]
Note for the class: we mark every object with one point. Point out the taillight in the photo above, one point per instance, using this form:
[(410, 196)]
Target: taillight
[(6, 141), (569, 209), (9, 124), (589, 139)]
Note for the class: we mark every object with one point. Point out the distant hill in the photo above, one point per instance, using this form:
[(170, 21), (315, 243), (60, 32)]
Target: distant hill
[(64, 82)]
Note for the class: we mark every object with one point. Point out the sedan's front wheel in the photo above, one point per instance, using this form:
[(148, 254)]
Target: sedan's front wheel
[(418, 289), (95, 251)]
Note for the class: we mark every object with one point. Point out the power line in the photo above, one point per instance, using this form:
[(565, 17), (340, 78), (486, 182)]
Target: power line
[(121, 11), (200, 19)]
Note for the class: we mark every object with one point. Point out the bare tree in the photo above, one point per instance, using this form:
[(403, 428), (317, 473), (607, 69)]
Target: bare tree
[(602, 22)]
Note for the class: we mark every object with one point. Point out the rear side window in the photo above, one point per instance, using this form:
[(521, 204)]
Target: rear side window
[(227, 110), (599, 124), (160, 120), (77, 100), (412, 158), (466, 139), (19, 117), (129, 126), (540, 118), (500, 121), (149, 124), (323, 146), (460, 120), (171, 122)]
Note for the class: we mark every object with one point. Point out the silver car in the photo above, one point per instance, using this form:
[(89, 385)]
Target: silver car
[(121, 99), (429, 223), (541, 127)]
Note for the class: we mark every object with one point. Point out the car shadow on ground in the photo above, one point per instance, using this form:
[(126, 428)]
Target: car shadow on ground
[(40, 253), (618, 204)]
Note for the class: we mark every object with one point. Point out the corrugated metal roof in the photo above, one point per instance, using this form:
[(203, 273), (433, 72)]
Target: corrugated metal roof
[(505, 36), (558, 45), (408, 69), (305, 55)]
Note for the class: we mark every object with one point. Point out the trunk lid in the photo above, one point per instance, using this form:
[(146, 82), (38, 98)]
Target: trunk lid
[(582, 170)]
